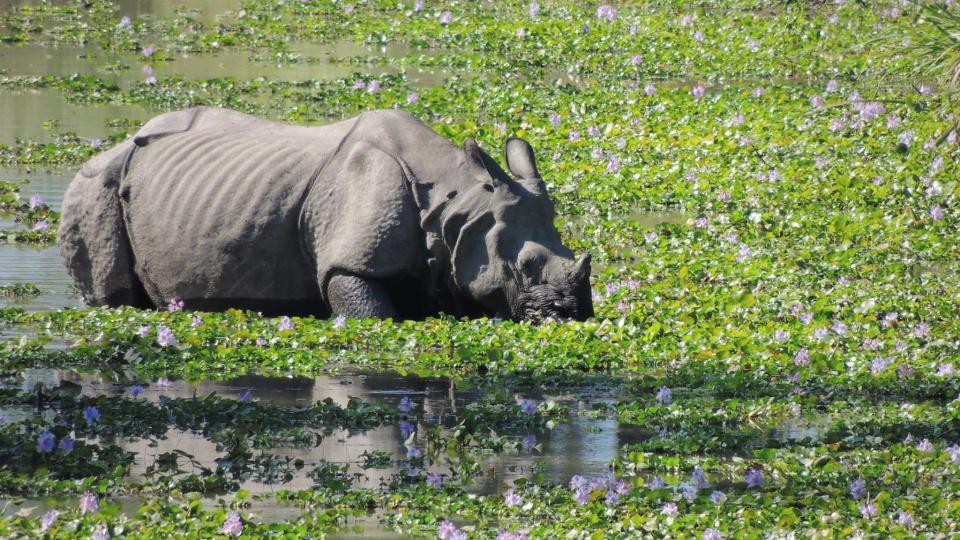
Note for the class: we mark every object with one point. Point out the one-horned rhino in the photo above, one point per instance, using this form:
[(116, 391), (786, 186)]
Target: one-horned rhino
[(375, 216)]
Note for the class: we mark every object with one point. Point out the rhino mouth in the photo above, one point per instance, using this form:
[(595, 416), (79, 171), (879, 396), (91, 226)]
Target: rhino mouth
[(542, 303)]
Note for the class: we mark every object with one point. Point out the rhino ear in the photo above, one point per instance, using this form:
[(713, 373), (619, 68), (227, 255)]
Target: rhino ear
[(520, 160), (475, 156)]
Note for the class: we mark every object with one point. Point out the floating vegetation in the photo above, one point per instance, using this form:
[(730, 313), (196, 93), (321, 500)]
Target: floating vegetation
[(770, 199)]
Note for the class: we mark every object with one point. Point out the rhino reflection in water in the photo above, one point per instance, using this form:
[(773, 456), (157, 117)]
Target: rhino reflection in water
[(375, 216)]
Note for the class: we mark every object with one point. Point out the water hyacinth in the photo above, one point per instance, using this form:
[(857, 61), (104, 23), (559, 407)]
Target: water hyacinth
[(285, 324), (232, 525), (41, 225), (406, 429), (528, 407), (868, 510), (340, 322), (858, 488), (89, 504), (511, 498), (670, 509), (91, 414), (446, 17), (802, 357), (175, 304), (246, 396), (36, 201), (48, 520), (46, 442), (534, 9), (606, 12), (718, 497), (67, 444), (528, 442), (100, 532), (905, 519), (699, 91), (406, 404), (448, 531), (165, 336), (664, 395), (434, 480), (412, 97), (925, 446), (711, 534), (954, 453), (753, 477), (124, 23)]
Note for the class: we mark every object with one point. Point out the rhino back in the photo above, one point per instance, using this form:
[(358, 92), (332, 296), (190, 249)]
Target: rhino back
[(213, 214)]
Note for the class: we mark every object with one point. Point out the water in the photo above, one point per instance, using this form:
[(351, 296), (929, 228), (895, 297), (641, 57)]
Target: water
[(203, 10), (581, 445)]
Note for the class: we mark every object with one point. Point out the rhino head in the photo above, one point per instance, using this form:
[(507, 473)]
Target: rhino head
[(508, 257)]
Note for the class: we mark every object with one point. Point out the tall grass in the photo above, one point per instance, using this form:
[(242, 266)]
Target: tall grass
[(933, 43)]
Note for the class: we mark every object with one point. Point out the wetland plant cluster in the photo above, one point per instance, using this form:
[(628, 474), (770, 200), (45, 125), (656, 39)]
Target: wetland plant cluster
[(784, 333)]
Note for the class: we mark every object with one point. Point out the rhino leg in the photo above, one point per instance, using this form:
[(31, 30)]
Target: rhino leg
[(93, 238), (359, 298)]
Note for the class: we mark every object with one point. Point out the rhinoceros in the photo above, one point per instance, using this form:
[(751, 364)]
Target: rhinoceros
[(374, 216)]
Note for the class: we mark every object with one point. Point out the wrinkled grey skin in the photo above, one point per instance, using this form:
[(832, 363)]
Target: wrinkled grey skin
[(375, 216)]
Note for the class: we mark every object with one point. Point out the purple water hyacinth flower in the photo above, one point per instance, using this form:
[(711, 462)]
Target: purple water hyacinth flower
[(349, 9), (925, 90), (446, 530), (100, 533), (246, 396), (606, 12), (744, 253), (816, 101), (945, 370), (621, 143), (904, 519), (528, 407), (698, 36), (781, 336), (534, 9), (925, 446), (373, 86), (936, 213), (285, 324), (699, 479), (650, 237), (578, 482), (670, 509), (593, 131), (711, 534), (657, 483), (758, 92), (511, 498), (414, 453), (649, 89), (908, 439), (124, 23), (446, 17), (359, 85), (573, 135), (148, 50), (41, 225), (634, 28), (163, 382), (753, 477), (893, 121), (879, 364), (555, 120), (921, 330), (689, 491), (581, 496), (412, 97), (528, 442), (165, 336), (136, 390), (611, 498), (46, 442), (151, 80), (96, 142), (147, 69), (596, 153), (718, 497), (613, 163), (837, 124), (196, 321), (832, 86), (406, 404), (175, 304), (67, 444), (521, 33), (91, 414), (686, 20), (143, 331), (233, 525), (406, 429), (738, 120), (664, 395), (952, 137), (904, 371), (418, 6), (340, 322), (954, 453), (839, 328), (89, 503), (858, 488), (636, 60), (930, 144), (820, 334), (699, 91), (889, 320), (753, 45), (259, 342), (802, 358), (434, 480), (48, 520), (905, 138), (868, 510), (36, 201)]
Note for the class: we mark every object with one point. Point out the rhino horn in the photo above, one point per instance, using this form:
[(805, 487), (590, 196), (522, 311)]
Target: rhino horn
[(475, 158), (520, 159)]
